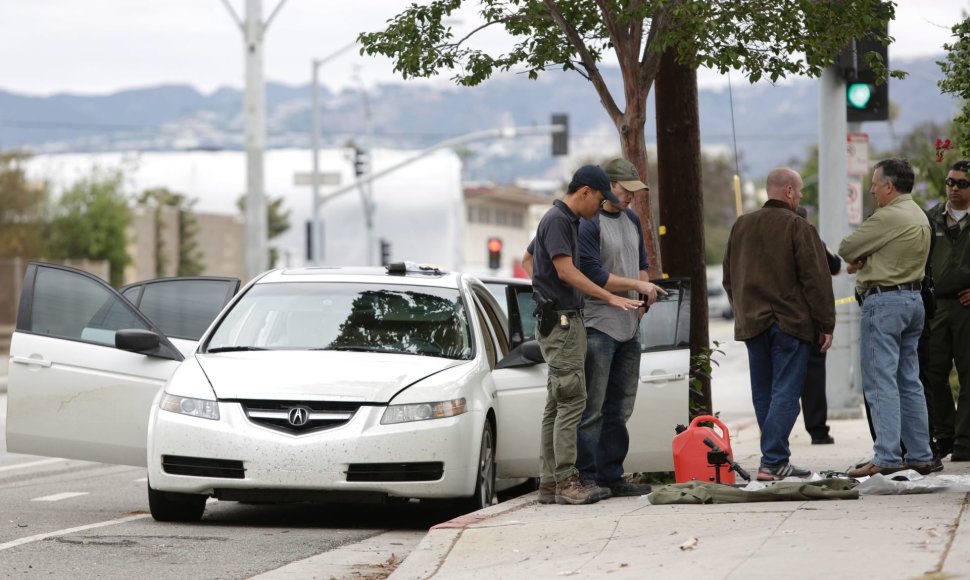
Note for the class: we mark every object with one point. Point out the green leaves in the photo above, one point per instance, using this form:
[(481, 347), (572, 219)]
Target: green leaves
[(956, 68), (761, 38), (90, 221)]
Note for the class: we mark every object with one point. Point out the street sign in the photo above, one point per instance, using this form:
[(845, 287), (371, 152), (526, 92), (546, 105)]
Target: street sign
[(857, 150), (855, 201), (323, 178)]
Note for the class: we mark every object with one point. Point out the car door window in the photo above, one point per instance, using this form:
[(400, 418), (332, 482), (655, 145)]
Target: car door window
[(66, 305), (487, 334), (666, 325), (521, 308), (495, 322), (182, 307)]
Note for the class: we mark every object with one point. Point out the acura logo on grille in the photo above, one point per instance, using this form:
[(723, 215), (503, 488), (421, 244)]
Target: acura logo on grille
[(298, 416)]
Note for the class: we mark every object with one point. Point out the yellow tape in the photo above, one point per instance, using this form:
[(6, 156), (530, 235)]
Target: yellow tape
[(841, 301)]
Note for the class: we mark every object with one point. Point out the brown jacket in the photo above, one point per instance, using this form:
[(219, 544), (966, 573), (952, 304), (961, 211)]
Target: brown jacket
[(775, 270)]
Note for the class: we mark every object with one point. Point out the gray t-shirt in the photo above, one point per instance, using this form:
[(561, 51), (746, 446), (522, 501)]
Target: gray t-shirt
[(611, 243)]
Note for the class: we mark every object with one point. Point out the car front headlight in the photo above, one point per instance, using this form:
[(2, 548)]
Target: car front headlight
[(188, 406), (422, 411)]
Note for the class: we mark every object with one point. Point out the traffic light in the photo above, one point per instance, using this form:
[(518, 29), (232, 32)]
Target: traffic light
[(360, 161), (385, 252), (560, 139), (494, 253), (864, 99)]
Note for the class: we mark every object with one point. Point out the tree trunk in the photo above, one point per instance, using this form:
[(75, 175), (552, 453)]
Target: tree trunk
[(633, 148), (681, 200)]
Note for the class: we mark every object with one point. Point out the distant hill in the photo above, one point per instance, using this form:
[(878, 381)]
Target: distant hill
[(775, 124)]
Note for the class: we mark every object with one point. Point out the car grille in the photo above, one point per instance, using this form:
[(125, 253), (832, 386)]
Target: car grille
[(203, 467), (299, 417), (426, 471)]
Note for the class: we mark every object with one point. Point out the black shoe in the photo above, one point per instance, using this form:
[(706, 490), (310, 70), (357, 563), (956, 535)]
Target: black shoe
[(623, 488), (960, 455), (937, 465), (827, 440)]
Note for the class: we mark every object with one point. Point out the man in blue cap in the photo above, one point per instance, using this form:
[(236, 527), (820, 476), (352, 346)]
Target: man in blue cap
[(559, 288)]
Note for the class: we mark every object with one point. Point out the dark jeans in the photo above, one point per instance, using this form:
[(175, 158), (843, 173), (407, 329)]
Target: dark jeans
[(612, 375), (777, 361)]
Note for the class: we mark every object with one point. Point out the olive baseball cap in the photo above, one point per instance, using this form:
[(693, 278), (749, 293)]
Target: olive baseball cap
[(624, 173), (594, 177)]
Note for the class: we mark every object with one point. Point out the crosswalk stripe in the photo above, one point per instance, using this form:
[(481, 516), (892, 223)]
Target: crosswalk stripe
[(30, 464), (38, 537), (60, 496)]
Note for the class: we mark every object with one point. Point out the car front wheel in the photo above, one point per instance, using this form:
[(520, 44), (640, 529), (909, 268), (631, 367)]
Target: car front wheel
[(175, 507), (485, 474)]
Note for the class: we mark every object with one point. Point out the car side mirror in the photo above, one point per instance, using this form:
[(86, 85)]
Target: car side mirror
[(136, 340), (526, 354), (532, 352)]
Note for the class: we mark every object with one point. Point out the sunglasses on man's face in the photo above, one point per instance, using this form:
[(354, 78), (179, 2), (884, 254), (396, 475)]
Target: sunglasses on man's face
[(960, 183)]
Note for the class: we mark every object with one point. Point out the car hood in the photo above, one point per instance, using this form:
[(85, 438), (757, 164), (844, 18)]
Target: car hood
[(317, 375)]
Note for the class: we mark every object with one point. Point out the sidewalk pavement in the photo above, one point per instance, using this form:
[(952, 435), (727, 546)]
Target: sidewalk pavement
[(898, 536)]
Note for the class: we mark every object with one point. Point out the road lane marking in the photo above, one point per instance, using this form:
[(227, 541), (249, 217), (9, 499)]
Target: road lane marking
[(39, 537), (60, 496), (30, 464)]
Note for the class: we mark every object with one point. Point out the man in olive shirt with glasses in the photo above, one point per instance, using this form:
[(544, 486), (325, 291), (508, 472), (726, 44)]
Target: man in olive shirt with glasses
[(889, 252)]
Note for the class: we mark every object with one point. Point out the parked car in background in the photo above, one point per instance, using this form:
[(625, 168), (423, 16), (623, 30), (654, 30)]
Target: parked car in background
[(310, 384), (718, 304)]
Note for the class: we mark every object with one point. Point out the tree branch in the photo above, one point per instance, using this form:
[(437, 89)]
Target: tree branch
[(650, 59), (587, 60)]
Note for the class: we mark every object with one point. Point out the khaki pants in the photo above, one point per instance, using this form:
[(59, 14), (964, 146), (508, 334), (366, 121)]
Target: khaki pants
[(564, 350)]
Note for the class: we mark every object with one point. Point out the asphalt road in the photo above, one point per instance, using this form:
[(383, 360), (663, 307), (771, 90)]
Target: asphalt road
[(62, 519)]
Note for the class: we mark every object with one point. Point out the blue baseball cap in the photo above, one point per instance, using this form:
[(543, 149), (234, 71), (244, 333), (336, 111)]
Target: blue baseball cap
[(593, 177)]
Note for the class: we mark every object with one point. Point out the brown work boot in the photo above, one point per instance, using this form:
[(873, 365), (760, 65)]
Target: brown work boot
[(572, 491), (547, 492)]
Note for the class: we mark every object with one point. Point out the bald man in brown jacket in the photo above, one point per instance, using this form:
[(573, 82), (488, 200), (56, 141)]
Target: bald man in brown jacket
[(778, 281)]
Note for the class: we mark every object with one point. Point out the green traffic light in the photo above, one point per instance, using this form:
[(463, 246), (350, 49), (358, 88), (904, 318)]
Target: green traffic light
[(859, 94)]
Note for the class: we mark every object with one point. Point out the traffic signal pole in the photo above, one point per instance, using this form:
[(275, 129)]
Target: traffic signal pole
[(842, 388)]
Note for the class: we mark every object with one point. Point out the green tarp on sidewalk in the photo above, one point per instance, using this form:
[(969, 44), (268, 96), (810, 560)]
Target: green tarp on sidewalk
[(698, 492)]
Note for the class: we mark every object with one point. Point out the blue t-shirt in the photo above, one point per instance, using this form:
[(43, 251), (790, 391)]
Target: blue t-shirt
[(557, 235)]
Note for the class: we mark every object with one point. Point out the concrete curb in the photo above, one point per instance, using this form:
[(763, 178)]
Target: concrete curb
[(425, 560)]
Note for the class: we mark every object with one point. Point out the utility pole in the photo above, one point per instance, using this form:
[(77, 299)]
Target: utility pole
[(843, 389), (254, 31), (316, 250)]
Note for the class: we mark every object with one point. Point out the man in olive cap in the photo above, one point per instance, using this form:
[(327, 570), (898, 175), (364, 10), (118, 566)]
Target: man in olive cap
[(612, 255)]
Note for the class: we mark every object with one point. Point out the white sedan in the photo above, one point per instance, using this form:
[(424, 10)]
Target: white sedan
[(310, 384)]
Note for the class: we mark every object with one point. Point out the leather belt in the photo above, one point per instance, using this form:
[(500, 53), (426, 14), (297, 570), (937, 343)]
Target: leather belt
[(571, 313), (877, 289)]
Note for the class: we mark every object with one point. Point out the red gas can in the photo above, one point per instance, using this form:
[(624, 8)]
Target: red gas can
[(690, 451)]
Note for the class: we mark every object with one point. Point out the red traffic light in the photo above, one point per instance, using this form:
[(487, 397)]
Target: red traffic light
[(494, 245)]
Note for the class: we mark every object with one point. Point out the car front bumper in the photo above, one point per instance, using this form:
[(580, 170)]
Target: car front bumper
[(276, 461)]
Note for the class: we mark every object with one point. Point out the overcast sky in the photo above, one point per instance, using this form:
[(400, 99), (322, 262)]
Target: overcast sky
[(101, 46)]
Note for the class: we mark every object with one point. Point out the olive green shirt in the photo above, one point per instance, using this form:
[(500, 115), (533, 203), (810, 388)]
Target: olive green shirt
[(951, 256), (895, 241)]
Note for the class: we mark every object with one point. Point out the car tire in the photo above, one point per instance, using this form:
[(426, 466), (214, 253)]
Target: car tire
[(484, 495), (168, 506)]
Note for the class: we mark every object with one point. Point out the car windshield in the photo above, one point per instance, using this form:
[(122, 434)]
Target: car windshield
[(346, 316)]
